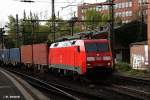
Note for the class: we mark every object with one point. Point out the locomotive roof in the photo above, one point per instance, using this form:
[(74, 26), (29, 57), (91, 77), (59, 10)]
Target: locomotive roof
[(73, 42)]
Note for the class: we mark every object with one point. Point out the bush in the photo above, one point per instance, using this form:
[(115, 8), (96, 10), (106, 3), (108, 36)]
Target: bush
[(137, 72), (121, 66), (127, 69)]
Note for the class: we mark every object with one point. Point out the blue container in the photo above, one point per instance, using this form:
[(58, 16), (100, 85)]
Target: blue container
[(14, 55), (5, 55), (1, 54)]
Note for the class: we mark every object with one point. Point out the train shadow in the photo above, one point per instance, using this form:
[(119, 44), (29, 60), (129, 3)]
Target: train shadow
[(99, 74)]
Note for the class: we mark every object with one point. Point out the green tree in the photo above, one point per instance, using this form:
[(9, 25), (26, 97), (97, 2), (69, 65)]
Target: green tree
[(93, 19), (11, 25), (33, 31), (105, 18), (118, 21), (11, 31), (61, 28), (26, 28)]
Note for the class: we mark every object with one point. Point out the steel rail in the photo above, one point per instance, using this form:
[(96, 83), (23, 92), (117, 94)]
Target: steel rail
[(56, 87), (44, 85), (133, 79)]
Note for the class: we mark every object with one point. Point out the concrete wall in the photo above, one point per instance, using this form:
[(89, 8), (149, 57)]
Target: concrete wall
[(139, 57)]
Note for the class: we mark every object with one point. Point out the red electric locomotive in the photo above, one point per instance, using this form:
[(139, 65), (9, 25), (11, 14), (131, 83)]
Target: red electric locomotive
[(81, 55)]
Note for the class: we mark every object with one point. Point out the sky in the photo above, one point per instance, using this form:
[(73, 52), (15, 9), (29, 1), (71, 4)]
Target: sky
[(40, 7)]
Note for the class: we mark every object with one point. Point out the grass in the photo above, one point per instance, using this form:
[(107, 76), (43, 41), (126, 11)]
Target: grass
[(125, 68)]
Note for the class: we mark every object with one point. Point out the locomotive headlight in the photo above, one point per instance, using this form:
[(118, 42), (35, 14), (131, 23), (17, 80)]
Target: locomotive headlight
[(90, 59), (109, 64), (106, 58)]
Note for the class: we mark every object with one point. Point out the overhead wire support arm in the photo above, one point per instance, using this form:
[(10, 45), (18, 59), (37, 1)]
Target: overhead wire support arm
[(100, 4), (69, 20), (112, 34), (29, 1)]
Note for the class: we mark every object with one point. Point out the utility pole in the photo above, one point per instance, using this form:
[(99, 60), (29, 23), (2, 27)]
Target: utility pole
[(112, 34), (72, 28), (73, 21), (17, 30), (148, 32), (141, 21), (2, 35), (58, 15), (53, 19)]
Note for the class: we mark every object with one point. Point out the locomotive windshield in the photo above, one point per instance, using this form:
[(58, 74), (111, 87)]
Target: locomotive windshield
[(97, 47)]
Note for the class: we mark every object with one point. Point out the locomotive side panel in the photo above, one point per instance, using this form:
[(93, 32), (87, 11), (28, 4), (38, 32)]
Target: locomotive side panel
[(65, 58)]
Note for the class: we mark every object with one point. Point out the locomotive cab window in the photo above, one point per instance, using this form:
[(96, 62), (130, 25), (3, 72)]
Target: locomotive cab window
[(99, 47)]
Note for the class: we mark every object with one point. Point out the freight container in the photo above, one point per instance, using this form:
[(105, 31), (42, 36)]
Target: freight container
[(40, 54), (139, 55), (26, 54), (5, 55), (14, 55), (1, 54)]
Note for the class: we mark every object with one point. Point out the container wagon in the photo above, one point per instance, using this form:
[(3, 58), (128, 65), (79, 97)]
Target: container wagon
[(5, 56), (40, 56), (35, 56), (26, 55), (14, 56)]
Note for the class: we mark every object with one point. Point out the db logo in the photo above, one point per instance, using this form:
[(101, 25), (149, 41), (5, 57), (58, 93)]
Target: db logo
[(97, 54)]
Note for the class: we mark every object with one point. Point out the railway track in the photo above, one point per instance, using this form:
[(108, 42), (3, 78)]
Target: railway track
[(132, 79), (134, 87), (69, 93), (104, 91), (128, 91)]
